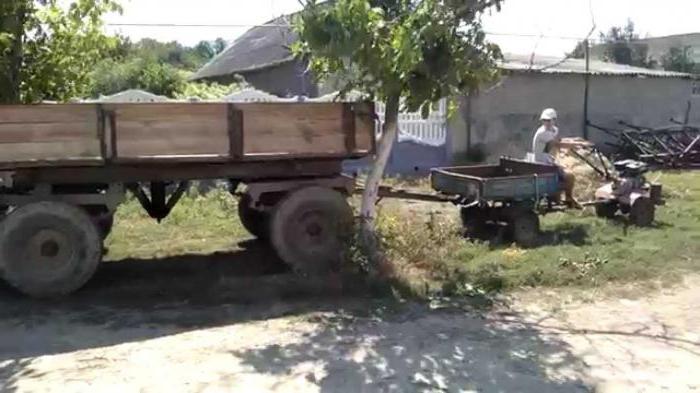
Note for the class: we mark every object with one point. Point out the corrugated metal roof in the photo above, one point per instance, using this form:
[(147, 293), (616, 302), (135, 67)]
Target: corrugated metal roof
[(555, 65)]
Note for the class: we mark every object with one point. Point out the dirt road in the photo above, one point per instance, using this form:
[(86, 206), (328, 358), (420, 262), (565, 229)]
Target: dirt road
[(173, 326)]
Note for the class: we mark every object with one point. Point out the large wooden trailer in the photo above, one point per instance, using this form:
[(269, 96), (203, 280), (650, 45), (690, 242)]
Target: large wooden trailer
[(64, 170)]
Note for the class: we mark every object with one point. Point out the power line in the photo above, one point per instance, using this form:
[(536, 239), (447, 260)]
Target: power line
[(287, 25), (192, 25)]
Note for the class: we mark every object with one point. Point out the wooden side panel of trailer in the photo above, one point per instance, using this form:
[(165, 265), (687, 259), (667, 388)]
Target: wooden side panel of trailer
[(167, 131), (296, 130), (93, 134), (45, 134)]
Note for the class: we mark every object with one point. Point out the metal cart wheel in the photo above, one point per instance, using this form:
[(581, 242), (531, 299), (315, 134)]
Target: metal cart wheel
[(642, 212), (49, 249), (254, 221), (473, 222), (310, 228), (526, 228), (606, 209)]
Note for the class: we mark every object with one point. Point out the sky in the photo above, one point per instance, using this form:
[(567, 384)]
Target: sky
[(522, 26)]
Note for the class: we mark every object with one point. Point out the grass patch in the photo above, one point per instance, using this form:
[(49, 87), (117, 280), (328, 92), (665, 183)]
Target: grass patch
[(578, 248), (424, 241), (199, 224)]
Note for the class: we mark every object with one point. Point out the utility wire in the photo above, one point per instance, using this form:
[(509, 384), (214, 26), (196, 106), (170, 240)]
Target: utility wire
[(585, 41), (286, 25)]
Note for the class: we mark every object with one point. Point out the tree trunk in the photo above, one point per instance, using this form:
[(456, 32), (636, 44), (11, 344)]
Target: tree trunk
[(11, 60), (368, 235)]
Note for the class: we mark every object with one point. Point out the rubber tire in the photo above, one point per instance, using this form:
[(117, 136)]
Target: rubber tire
[(254, 221), (606, 210), (473, 223), (17, 230), (323, 210), (526, 229), (642, 212)]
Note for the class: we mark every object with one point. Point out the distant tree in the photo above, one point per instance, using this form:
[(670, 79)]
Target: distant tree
[(219, 45), (680, 60), (622, 47), (48, 47), (579, 51)]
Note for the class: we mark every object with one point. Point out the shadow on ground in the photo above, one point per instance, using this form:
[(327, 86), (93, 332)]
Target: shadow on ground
[(500, 237), (362, 344)]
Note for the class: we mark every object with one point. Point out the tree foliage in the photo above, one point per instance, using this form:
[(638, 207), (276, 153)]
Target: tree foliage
[(47, 49), (680, 60), (158, 67), (402, 52), (622, 47), (113, 76), (579, 51), (172, 53), (419, 50)]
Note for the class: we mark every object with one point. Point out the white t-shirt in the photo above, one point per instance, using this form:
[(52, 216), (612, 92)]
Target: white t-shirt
[(539, 144)]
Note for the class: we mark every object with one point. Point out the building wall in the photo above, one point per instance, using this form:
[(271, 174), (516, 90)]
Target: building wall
[(502, 119)]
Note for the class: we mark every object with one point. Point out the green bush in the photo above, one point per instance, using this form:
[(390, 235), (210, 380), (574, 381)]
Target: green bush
[(111, 76)]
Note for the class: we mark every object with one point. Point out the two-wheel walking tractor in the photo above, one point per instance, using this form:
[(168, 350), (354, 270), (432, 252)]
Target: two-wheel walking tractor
[(512, 195)]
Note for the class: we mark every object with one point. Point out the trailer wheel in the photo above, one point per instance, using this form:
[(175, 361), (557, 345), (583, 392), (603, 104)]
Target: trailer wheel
[(526, 229), (473, 222), (642, 212), (49, 249), (309, 229), (254, 221), (606, 210)]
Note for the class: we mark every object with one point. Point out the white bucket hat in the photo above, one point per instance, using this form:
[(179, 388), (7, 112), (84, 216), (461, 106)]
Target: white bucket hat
[(549, 114)]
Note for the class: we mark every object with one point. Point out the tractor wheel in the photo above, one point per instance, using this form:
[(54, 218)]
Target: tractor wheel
[(254, 221), (642, 212), (310, 228), (526, 229), (49, 249), (606, 210)]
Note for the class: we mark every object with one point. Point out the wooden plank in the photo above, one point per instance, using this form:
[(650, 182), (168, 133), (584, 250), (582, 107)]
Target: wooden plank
[(349, 129), (235, 132), (49, 151), (173, 147), (160, 171), (68, 113), (171, 130), (49, 132), (293, 129), (364, 128)]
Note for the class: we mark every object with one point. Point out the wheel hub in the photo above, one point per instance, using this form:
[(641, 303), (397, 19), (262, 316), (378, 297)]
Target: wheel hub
[(314, 229), (49, 249)]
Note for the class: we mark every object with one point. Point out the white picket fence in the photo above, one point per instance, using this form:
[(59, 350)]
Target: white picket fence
[(412, 127)]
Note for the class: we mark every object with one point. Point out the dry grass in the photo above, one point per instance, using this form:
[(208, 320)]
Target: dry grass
[(587, 179)]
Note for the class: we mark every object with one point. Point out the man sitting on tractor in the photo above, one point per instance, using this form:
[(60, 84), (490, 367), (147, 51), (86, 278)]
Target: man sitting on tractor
[(545, 146)]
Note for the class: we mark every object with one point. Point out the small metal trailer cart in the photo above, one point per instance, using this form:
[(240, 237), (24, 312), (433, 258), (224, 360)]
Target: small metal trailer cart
[(509, 193), (514, 192)]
